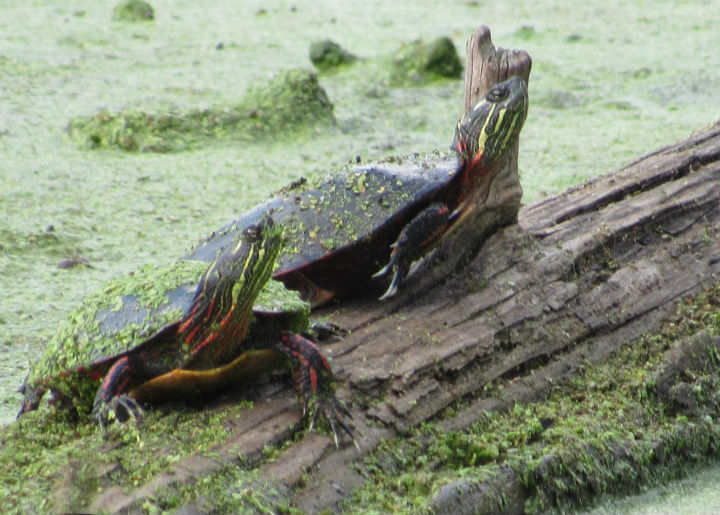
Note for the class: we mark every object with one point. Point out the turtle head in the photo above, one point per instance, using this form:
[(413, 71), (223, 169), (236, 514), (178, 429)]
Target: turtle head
[(239, 273), (492, 126)]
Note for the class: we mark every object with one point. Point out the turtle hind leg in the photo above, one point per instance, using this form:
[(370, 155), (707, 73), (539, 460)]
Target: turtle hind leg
[(313, 382), (414, 241), (33, 396), (35, 393)]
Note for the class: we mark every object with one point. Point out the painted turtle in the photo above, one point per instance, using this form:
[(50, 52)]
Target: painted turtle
[(351, 227), (149, 336)]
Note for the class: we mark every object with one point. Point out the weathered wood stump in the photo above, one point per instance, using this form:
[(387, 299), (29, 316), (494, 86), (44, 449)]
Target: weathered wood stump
[(579, 275)]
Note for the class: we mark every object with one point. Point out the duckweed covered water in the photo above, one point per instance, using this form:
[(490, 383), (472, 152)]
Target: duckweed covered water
[(610, 82)]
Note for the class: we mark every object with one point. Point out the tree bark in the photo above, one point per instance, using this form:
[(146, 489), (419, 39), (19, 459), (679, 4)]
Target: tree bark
[(580, 274), (485, 65)]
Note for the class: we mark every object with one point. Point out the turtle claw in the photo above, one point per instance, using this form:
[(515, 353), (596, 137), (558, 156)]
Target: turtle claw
[(392, 289), (384, 270), (398, 275), (120, 408), (332, 409)]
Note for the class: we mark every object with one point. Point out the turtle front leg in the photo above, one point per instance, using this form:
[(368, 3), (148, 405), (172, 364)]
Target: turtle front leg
[(112, 395), (415, 240), (313, 382)]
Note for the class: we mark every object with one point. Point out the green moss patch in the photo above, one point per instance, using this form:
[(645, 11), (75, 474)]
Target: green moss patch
[(133, 10), (421, 61), (230, 490), (640, 418), (290, 103), (51, 464), (327, 54)]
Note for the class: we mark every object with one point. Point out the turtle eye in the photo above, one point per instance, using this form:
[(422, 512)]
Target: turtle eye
[(497, 94), (252, 232)]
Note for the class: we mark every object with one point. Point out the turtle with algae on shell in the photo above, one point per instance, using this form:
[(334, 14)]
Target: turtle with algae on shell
[(129, 344)]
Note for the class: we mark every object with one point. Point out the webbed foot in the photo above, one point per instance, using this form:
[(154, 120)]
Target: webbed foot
[(415, 240)]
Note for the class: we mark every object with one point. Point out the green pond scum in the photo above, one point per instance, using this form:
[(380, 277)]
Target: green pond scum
[(289, 104)]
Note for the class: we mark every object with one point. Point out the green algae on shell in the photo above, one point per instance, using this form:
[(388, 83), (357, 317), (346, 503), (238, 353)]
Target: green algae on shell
[(290, 103), (91, 332)]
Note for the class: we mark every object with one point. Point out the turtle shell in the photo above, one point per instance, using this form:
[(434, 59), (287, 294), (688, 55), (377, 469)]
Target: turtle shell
[(123, 316), (347, 220)]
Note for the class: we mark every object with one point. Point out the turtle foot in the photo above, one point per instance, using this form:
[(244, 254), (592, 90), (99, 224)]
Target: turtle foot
[(324, 330), (334, 412), (120, 408), (313, 383), (415, 240)]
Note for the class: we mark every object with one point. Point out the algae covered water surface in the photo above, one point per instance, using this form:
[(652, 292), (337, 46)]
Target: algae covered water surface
[(609, 83)]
